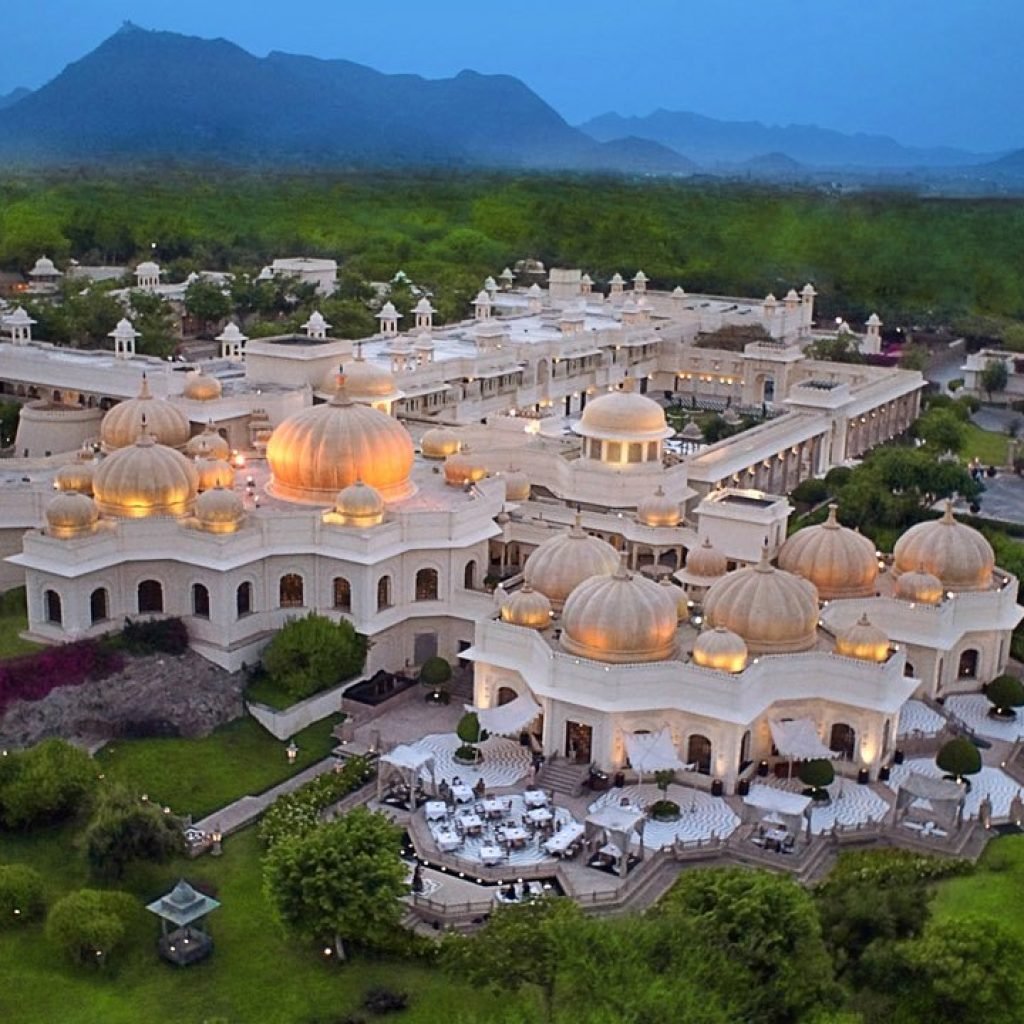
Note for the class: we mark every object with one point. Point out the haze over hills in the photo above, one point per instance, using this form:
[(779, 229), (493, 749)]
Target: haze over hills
[(13, 96)]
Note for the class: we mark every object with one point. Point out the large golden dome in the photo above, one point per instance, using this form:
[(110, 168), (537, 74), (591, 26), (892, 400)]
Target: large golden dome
[(527, 607), (623, 416), (560, 563), (774, 611), (439, 443), (71, 514), (147, 479), (368, 382), (863, 641), (720, 649), (124, 422), (658, 509), (326, 448), (839, 561), (957, 554), (620, 618)]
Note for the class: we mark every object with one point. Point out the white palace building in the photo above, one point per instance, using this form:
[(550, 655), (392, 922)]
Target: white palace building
[(504, 491)]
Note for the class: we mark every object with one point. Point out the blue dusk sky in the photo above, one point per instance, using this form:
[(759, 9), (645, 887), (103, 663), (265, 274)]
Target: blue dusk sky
[(945, 72)]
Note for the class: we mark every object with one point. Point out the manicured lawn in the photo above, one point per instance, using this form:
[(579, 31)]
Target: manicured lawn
[(265, 691), (986, 445), (256, 974), (13, 620), (198, 776)]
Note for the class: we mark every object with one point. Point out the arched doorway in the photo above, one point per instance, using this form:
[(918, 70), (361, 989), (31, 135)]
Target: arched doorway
[(200, 601), (342, 594), (698, 752), (98, 607), (842, 740), (54, 612), (151, 596), (968, 665), (469, 575), (243, 599), (506, 695)]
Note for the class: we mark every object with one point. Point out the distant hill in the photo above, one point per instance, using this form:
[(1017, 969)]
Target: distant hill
[(1011, 165), (142, 95), (712, 143), (13, 96)]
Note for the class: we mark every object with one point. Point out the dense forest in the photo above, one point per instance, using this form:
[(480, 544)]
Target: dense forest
[(910, 258)]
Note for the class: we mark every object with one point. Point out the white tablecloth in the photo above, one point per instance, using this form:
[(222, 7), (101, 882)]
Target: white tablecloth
[(463, 794), (435, 809), (493, 806), (564, 838), (471, 822), (448, 841), (535, 798), (515, 835), (491, 854), (539, 815)]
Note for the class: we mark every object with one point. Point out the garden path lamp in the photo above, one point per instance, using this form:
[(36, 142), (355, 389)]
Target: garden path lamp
[(292, 751)]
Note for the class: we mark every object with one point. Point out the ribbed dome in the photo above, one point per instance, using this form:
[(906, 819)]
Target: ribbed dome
[(774, 611), (214, 473), (464, 467), (209, 444), (679, 598), (527, 607), (705, 563), (721, 649), (517, 485), (439, 443), (864, 641), (323, 449), (957, 554), (199, 387), (659, 510), (561, 563), (147, 479), (77, 475), (619, 618), (368, 380), (124, 422), (219, 510), (71, 514), (839, 561), (623, 415), (359, 505), (921, 587)]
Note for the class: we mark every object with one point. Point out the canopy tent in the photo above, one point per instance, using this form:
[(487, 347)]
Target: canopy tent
[(941, 799), (410, 764), (507, 719), (652, 752), (798, 740), (777, 806), (616, 825)]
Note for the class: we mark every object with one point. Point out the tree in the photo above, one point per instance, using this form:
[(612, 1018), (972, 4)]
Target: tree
[(207, 302), (843, 348), (994, 377), (914, 357), (90, 924), (45, 783), (959, 757), (436, 672), (9, 415), (663, 779), (941, 429), (155, 321), (469, 731), (22, 895), (817, 773), (1005, 693), (312, 653), (342, 881)]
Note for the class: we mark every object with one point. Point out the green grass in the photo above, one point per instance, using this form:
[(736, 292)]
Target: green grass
[(256, 973), (198, 776), (264, 690), (14, 620), (986, 445)]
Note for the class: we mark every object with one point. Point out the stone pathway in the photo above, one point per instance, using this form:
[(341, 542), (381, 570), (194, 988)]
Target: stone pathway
[(972, 709), (505, 762), (917, 719)]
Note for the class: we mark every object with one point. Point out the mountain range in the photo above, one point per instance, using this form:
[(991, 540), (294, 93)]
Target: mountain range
[(149, 95)]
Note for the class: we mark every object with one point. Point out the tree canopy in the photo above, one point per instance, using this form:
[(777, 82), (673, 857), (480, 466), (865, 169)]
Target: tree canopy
[(313, 653)]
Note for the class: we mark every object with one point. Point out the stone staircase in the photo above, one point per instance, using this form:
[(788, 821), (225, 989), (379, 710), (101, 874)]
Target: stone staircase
[(563, 777)]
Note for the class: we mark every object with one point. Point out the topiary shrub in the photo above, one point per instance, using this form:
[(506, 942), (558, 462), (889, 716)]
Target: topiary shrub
[(435, 672), (958, 758), (44, 784), (664, 810), (816, 774), (313, 653), (90, 925), (22, 895), (469, 731), (1004, 694)]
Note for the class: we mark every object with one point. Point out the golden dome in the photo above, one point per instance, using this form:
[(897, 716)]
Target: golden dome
[(359, 505), (71, 514), (623, 416), (704, 565), (209, 444), (517, 485), (659, 510), (439, 443), (199, 387), (619, 618), (920, 586), (214, 473), (124, 422), (219, 510), (325, 448), (527, 607), (368, 382), (464, 467), (774, 611), (147, 479), (560, 563), (839, 561), (679, 598), (720, 648), (862, 640), (77, 475), (957, 554)]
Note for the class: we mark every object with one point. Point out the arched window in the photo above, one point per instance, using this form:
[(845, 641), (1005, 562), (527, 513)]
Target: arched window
[(843, 741), (99, 610), (54, 612), (243, 599), (426, 585), (151, 596), (289, 591), (200, 601), (469, 575), (383, 593), (968, 667), (908, 670), (698, 752), (506, 695), (342, 594)]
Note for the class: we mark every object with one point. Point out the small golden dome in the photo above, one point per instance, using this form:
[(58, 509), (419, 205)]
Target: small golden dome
[(325, 448), (214, 473), (920, 586), (719, 648), (659, 510), (774, 611), (464, 467), (517, 485), (71, 514), (209, 444), (620, 618), (957, 554), (527, 607), (562, 562), (123, 423), (219, 510), (147, 479), (439, 443), (199, 387), (862, 640), (839, 561), (359, 505), (623, 416), (77, 475), (365, 381), (703, 565)]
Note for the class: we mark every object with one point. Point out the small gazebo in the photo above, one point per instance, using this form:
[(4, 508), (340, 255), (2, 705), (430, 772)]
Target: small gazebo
[(183, 908), (614, 827), (409, 764)]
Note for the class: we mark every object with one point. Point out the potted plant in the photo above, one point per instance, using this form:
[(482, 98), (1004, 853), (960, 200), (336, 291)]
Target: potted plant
[(469, 731), (664, 809), (435, 675), (1005, 693), (958, 759), (817, 775)]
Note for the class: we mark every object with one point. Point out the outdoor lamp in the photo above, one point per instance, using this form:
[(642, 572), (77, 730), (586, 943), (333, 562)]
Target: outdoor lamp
[(292, 751), (216, 838)]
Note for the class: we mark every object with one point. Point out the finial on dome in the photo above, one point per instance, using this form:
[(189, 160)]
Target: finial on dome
[(622, 571), (831, 523), (863, 620), (764, 563), (577, 525), (144, 391), (341, 395), (947, 515)]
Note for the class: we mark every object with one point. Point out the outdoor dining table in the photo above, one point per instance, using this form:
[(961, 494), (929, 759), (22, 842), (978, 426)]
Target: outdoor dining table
[(448, 841), (463, 794), (563, 839), (535, 798), (539, 815), (493, 807), (435, 809), (491, 854), (472, 823), (515, 836)]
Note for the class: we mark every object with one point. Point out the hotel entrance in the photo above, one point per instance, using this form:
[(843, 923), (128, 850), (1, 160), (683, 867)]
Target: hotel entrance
[(578, 739)]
